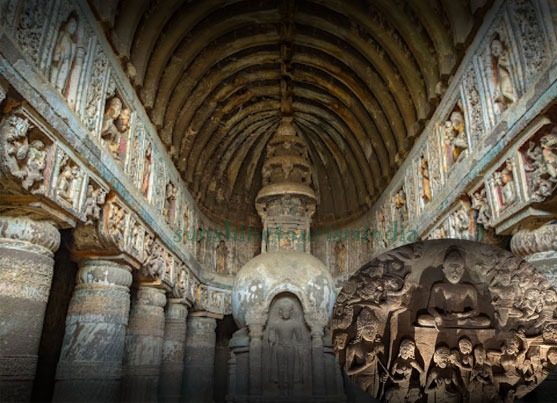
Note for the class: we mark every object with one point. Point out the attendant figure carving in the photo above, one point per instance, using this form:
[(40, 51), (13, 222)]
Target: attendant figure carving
[(63, 55)]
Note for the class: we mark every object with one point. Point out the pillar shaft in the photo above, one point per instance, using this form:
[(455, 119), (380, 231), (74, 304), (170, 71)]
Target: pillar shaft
[(172, 366), (90, 366), (199, 359), (26, 265), (318, 374), (255, 363), (143, 351)]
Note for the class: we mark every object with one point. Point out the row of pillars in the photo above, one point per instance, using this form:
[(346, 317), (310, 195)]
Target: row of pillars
[(110, 352)]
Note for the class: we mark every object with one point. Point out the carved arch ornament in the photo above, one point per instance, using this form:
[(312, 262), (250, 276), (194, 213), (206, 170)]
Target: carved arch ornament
[(446, 321)]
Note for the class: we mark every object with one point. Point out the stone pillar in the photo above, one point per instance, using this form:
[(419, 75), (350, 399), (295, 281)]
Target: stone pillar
[(172, 366), (143, 347), (26, 265), (255, 364), (318, 374), (199, 359), (90, 366)]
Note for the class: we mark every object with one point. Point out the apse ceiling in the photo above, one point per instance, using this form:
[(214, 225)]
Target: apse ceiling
[(360, 78)]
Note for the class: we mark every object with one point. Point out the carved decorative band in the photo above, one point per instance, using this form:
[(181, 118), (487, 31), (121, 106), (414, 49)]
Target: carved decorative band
[(104, 272)]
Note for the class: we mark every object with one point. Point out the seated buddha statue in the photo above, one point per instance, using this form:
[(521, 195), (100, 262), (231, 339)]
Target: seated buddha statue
[(452, 303)]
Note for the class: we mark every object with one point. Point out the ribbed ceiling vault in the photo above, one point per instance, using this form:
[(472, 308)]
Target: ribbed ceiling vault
[(362, 79)]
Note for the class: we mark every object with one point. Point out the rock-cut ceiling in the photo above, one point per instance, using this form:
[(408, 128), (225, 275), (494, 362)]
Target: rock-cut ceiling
[(361, 78)]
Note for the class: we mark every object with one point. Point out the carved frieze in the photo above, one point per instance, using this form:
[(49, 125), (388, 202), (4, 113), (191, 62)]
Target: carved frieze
[(25, 152), (531, 39), (457, 319)]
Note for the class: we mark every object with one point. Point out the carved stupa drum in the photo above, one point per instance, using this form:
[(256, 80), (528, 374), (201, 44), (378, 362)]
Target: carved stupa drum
[(446, 321)]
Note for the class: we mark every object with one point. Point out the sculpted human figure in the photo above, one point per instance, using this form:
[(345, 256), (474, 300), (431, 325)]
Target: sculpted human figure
[(504, 88), (479, 203), (453, 303), (36, 163), (481, 377), (401, 372), (285, 340), (443, 384), (93, 201), (147, 162), (109, 131), (503, 294), (426, 187), (511, 358), (455, 135), (362, 353), (463, 359), (64, 54)]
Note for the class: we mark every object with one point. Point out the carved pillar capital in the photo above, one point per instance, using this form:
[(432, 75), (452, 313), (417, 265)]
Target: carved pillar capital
[(539, 247), (22, 232), (543, 239)]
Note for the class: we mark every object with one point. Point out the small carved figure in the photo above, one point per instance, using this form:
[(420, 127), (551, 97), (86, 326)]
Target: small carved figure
[(455, 136), (147, 164), (443, 384), (531, 304), (340, 257), (480, 204), (362, 353), (505, 181), (16, 144), (503, 294), (461, 223), (63, 55), (95, 198), (511, 358), (169, 210), (113, 125), (463, 359), (452, 303), (542, 165), (221, 254), (426, 187), (481, 387), (155, 263), (400, 206), (401, 372), (36, 163), (116, 224), (504, 93)]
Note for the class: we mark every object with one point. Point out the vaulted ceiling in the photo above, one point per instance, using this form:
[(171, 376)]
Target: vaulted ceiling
[(360, 77)]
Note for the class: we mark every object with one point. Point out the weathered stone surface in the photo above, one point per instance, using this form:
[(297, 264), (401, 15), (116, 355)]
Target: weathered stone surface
[(199, 358), (26, 263), (90, 366), (144, 346), (172, 363)]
